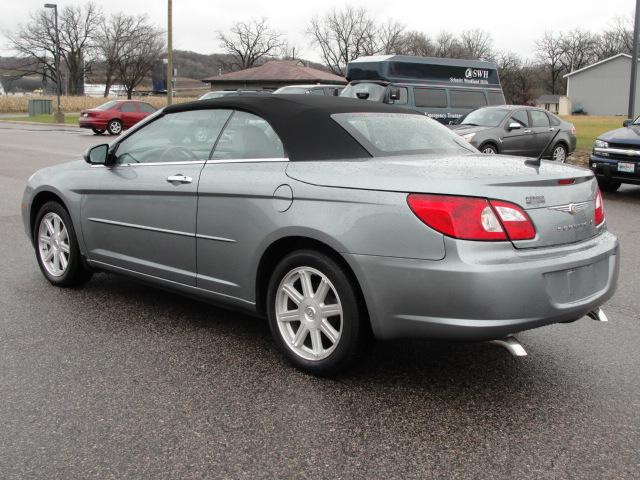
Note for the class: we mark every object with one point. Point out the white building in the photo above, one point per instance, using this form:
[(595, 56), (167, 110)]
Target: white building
[(603, 88)]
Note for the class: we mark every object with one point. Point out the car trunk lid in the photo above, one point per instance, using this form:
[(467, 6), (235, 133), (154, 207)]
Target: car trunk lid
[(559, 198)]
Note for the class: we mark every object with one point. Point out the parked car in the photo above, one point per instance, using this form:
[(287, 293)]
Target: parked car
[(114, 116), (444, 89), (397, 225), (331, 90), (225, 93), (615, 158), (518, 130)]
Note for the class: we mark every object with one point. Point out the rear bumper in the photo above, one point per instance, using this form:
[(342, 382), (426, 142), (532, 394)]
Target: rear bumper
[(607, 169), (92, 123), (484, 291)]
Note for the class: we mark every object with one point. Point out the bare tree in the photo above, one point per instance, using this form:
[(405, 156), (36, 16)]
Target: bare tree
[(36, 41), (138, 52), (447, 46), (249, 42), (476, 44), (417, 43), (114, 34), (549, 51), (392, 38), (578, 49), (344, 35)]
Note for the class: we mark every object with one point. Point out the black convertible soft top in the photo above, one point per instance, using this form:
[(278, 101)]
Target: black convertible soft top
[(303, 122)]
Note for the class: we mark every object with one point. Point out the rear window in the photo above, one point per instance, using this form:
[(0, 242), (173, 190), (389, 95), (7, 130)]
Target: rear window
[(539, 118), (467, 99), (146, 108), (430, 97), (108, 105), (401, 134)]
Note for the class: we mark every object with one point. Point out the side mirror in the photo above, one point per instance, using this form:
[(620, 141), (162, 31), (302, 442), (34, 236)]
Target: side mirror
[(394, 94), (514, 126), (627, 122), (97, 155)]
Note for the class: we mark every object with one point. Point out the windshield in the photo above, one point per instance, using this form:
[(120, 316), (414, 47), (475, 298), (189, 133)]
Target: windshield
[(401, 134), (485, 117), (108, 105), (364, 91)]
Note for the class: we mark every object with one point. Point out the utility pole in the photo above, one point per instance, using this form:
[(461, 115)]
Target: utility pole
[(170, 53), (58, 116), (634, 64)]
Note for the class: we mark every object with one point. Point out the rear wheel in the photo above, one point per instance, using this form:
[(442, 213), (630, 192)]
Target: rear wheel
[(114, 127), (313, 313), (57, 248), (97, 131), (608, 185), (559, 153), (489, 149)]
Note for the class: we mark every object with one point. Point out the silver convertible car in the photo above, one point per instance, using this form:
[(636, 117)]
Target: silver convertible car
[(332, 217)]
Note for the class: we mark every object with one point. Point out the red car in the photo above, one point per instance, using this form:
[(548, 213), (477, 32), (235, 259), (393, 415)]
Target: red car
[(114, 116)]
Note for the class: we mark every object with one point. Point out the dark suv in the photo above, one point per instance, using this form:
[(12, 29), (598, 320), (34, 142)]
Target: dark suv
[(615, 158), (518, 130)]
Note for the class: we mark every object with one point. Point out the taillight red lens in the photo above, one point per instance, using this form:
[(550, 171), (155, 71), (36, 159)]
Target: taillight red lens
[(599, 213), (470, 218), (515, 220)]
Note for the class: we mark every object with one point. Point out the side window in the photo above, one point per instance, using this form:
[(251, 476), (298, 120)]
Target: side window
[(176, 137), (128, 107), (467, 99), (248, 136), (316, 91), (520, 117), (146, 108), (430, 97), (539, 118), (555, 121), (496, 98)]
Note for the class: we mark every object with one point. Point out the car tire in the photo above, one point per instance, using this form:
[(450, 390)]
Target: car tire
[(321, 336), (56, 247), (97, 131), (114, 127), (559, 153), (608, 185), (489, 149)]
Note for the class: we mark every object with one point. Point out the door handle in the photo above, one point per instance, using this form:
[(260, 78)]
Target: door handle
[(527, 131), (551, 129), (179, 178)]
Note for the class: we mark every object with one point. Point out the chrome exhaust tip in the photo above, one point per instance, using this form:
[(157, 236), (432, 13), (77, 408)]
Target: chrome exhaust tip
[(513, 346), (598, 315)]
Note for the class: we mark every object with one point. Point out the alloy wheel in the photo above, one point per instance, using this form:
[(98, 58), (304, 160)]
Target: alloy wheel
[(559, 154), (309, 313), (115, 127), (53, 244), (489, 150)]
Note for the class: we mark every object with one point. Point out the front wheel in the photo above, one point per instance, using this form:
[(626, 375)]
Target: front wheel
[(559, 153), (114, 127), (57, 248), (313, 313)]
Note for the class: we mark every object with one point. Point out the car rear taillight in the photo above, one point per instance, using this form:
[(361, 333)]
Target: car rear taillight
[(599, 213), (573, 130), (470, 218)]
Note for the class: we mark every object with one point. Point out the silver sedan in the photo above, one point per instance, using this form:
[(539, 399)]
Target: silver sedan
[(332, 218)]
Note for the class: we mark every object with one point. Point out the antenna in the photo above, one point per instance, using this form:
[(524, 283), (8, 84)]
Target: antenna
[(537, 161)]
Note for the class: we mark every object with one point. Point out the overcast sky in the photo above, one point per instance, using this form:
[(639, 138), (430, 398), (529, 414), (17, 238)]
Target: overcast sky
[(514, 25)]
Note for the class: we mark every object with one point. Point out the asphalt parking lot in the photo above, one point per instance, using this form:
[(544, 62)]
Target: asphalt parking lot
[(120, 380)]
